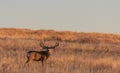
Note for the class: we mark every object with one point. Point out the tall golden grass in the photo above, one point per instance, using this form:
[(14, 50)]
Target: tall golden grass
[(78, 52)]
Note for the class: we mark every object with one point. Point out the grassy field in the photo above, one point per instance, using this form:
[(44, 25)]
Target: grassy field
[(78, 52)]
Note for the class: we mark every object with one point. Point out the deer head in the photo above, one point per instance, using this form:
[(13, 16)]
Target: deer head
[(49, 48)]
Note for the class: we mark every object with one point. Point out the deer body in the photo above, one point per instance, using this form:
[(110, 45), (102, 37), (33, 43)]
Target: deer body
[(37, 56), (40, 55)]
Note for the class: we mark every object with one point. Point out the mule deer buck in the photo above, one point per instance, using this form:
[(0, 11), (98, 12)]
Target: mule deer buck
[(41, 55)]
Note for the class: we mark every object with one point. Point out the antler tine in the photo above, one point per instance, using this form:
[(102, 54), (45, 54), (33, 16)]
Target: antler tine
[(56, 44), (42, 43)]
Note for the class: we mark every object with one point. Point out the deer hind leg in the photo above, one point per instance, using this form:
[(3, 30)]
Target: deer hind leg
[(30, 58), (28, 61)]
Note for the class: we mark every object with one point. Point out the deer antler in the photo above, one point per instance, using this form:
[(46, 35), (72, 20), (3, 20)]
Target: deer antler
[(42, 44), (56, 44)]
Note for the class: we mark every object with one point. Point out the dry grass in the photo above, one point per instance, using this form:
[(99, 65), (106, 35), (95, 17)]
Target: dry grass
[(77, 53)]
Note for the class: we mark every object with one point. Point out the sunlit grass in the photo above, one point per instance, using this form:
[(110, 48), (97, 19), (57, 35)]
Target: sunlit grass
[(77, 53)]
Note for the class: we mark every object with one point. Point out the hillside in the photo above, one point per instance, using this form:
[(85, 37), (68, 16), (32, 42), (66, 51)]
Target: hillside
[(58, 35), (78, 52)]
